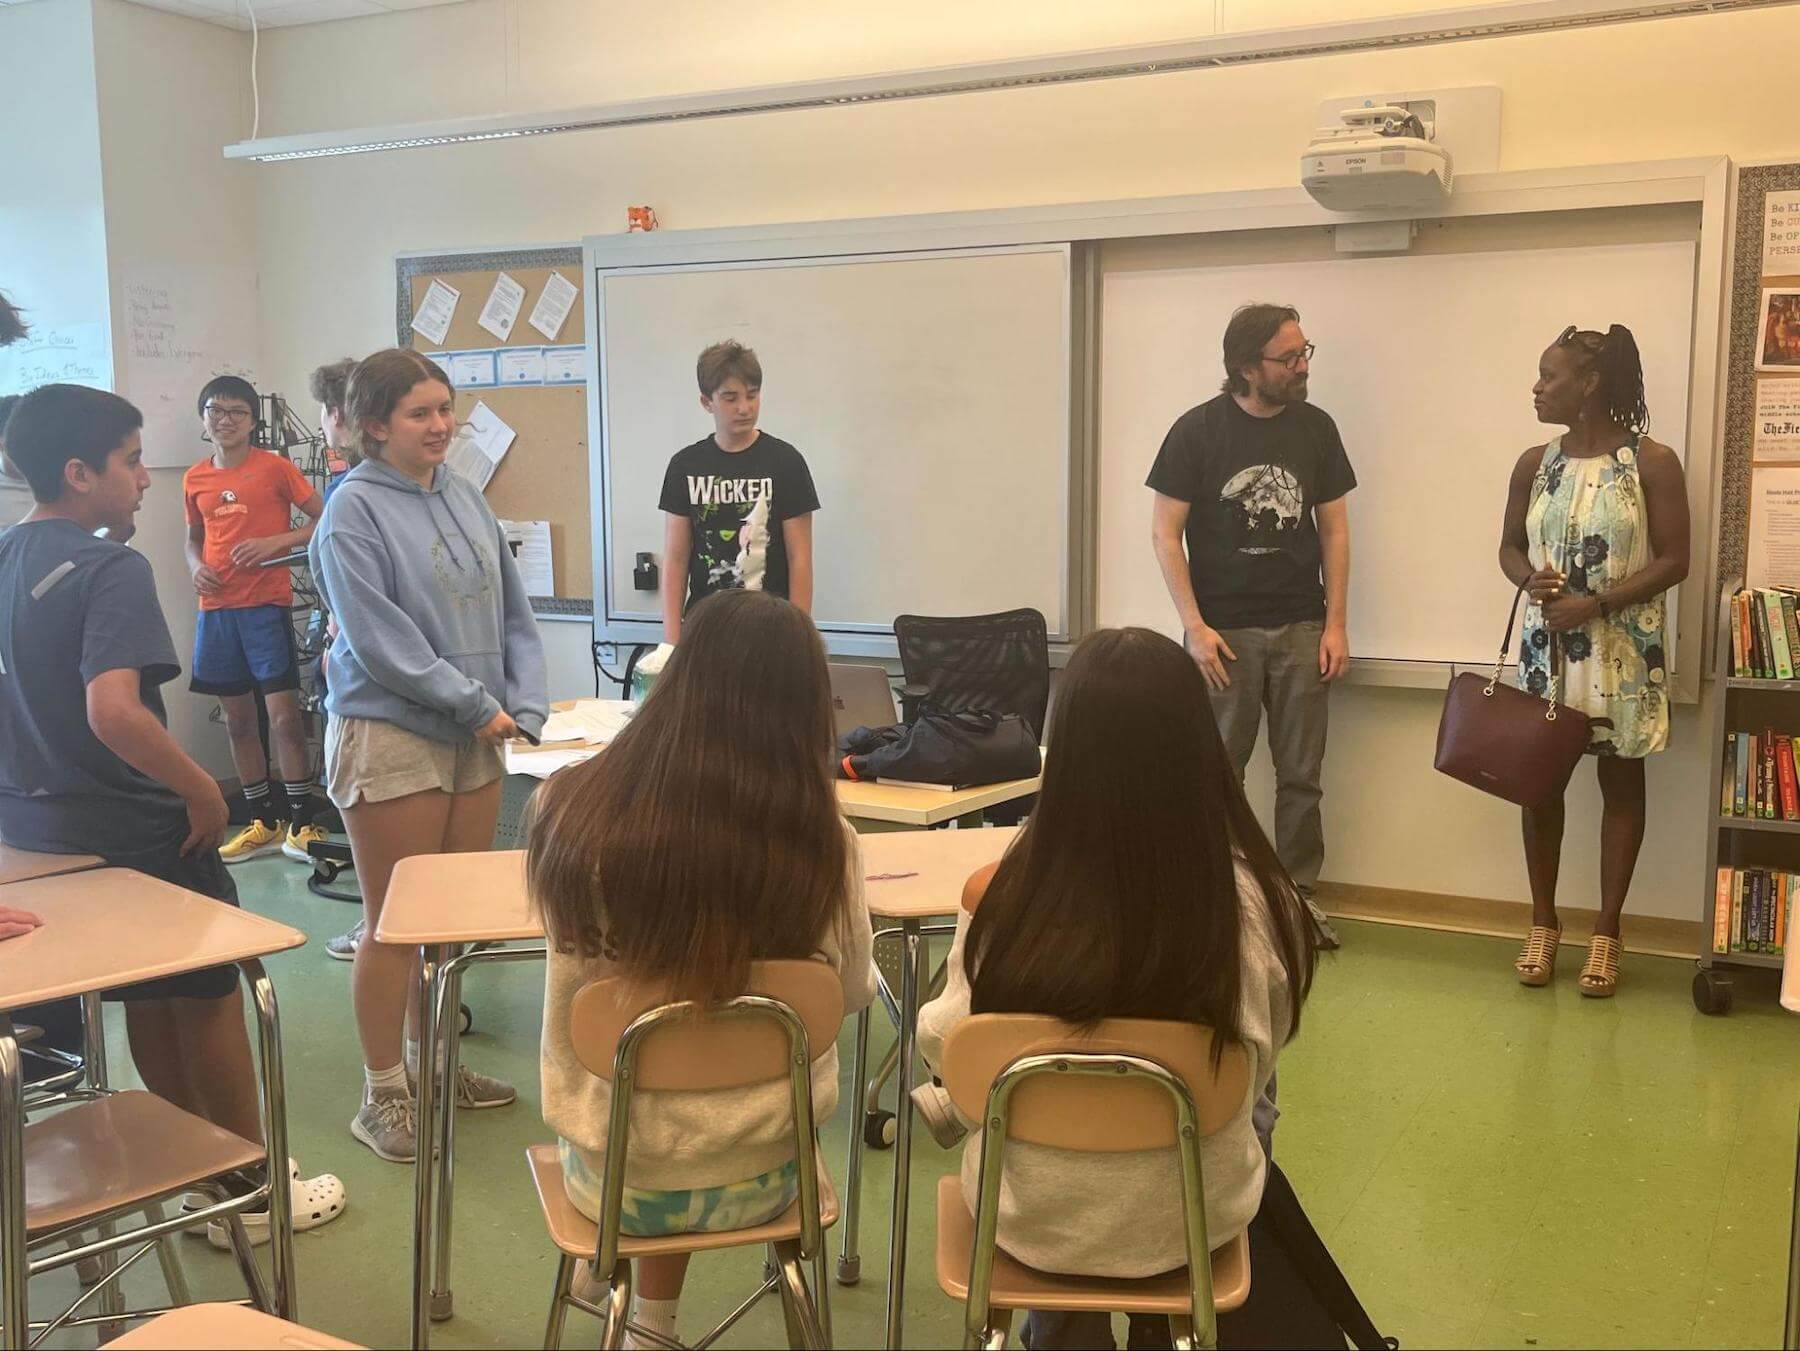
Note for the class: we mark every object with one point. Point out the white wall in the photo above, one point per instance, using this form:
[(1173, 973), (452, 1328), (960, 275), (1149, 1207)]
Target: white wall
[(1692, 86), (52, 226), (171, 91)]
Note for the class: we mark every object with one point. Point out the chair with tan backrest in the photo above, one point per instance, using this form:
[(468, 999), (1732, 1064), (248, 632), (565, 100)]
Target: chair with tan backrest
[(638, 1039), (1128, 1084)]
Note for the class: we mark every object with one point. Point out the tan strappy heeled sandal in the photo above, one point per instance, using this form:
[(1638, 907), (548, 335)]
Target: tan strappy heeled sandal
[(1537, 959), (1600, 973)]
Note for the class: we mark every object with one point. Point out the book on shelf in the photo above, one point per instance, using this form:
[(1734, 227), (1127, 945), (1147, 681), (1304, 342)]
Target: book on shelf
[(1752, 909), (1759, 775), (1765, 633), (1781, 658)]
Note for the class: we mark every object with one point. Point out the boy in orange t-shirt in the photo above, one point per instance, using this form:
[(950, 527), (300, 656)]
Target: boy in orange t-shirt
[(240, 502)]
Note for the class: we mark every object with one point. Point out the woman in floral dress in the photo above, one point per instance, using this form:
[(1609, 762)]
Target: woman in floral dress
[(1596, 532)]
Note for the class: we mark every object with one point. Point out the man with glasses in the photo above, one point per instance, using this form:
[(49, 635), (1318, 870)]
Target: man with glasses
[(1253, 539), (240, 505)]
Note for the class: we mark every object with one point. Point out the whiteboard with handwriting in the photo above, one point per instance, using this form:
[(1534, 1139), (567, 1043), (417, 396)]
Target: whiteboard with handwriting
[(65, 354), (180, 325)]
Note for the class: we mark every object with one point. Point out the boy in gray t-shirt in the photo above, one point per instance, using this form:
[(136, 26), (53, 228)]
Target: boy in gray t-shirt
[(87, 764)]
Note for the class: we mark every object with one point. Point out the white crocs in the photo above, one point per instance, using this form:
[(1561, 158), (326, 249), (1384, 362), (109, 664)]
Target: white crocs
[(316, 1201)]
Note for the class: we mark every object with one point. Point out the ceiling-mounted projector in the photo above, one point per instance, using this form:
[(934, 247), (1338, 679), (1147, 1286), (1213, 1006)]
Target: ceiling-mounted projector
[(1379, 157)]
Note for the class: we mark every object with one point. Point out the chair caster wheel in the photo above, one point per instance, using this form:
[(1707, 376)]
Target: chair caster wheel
[(879, 1130), (468, 1019), (441, 1305), (849, 1270), (1712, 992)]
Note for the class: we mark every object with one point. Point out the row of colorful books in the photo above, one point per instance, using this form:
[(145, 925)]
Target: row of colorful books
[(1762, 776), (1753, 909), (1765, 634)]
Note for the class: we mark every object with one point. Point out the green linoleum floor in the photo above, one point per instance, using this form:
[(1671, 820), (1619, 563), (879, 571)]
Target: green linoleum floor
[(1492, 1166)]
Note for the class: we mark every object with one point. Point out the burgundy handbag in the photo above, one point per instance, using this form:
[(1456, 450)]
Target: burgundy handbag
[(1507, 741)]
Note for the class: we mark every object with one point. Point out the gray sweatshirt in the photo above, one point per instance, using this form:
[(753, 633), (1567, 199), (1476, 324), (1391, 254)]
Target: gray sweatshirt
[(435, 632), (683, 1140), (1119, 1215)]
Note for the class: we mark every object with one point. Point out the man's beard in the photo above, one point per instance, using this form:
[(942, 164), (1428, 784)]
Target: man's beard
[(1289, 391)]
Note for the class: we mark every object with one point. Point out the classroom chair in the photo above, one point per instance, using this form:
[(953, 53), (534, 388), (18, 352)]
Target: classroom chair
[(226, 1327), (636, 1037), (998, 663), (59, 1080), (1128, 1084), (114, 1157)]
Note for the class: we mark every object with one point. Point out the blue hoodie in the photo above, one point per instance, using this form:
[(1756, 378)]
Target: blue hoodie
[(435, 633)]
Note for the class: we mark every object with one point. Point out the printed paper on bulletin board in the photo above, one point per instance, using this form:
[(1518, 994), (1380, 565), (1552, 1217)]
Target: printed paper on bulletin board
[(544, 477)]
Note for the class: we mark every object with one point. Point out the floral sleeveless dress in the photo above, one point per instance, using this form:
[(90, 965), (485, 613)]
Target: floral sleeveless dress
[(1588, 519)]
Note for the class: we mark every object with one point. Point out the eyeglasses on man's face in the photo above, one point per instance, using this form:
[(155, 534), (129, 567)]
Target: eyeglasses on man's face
[(1294, 358), (226, 413)]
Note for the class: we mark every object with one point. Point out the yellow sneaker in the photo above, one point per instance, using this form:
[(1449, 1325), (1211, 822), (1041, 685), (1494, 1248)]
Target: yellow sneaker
[(297, 840), (253, 841)]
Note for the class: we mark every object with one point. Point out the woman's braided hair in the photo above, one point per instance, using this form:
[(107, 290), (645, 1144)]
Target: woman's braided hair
[(1613, 356)]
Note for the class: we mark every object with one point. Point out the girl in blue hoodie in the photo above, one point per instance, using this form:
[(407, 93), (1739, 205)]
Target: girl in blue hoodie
[(437, 662)]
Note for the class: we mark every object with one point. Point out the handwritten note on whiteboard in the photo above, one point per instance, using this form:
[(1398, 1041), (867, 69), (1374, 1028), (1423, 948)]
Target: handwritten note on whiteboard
[(183, 324), (66, 354), (1781, 234)]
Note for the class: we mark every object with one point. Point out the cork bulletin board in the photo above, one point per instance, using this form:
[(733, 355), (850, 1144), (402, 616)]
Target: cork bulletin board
[(1749, 287), (544, 475)]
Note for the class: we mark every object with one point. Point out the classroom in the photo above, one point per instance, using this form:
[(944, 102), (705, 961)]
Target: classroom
[(808, 637)]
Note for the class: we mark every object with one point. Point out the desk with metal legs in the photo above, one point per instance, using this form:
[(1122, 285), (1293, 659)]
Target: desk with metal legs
[(914, 876), (112, 927), (440, 903)]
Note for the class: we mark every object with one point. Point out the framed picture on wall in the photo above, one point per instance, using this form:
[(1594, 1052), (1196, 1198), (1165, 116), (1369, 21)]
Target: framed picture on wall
[(1778, 339)]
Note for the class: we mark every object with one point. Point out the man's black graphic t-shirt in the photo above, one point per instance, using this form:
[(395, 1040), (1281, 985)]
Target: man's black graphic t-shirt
[(1252, 483), (736, 502)]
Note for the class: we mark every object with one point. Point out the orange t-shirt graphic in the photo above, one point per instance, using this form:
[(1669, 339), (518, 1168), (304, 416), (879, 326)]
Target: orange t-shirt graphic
[(252, 501)]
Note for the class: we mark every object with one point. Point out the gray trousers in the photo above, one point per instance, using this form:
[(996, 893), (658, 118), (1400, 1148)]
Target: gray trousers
[(1278, 669)]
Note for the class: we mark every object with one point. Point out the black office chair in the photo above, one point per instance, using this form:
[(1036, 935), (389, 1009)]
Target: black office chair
[(998, 663)]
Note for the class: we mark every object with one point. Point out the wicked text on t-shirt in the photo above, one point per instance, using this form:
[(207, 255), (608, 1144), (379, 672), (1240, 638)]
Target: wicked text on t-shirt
[(736, 502)]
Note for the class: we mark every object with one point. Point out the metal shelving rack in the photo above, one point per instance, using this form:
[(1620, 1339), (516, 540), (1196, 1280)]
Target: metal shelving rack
[(1739, 841)]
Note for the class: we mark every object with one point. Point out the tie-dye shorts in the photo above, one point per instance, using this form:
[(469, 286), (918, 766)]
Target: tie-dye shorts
[(699, 1210)]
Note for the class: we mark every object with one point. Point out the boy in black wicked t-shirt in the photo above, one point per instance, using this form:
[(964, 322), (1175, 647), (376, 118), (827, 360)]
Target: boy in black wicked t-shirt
[(739, 501)]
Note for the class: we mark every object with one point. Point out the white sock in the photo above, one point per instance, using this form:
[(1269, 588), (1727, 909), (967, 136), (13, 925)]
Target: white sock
[(655, 1315), (412, 1057), (390, 1080)]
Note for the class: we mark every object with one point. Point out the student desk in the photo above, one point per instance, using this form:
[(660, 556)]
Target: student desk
[(881, 805), (439, 902), (22, 865), (894, 806), (913, 877), (116, 927)]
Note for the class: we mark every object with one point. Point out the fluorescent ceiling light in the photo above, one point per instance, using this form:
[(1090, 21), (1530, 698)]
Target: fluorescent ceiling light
[(1459, 25)]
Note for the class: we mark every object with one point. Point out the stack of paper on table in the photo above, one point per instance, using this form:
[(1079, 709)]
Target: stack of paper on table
[(573, 732)]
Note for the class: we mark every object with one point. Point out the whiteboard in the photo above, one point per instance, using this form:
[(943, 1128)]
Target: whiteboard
[(1426, 363), (184, 323), (928, 392)]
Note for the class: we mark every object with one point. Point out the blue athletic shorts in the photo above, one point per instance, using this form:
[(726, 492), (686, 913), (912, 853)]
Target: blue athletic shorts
[(237, 651)]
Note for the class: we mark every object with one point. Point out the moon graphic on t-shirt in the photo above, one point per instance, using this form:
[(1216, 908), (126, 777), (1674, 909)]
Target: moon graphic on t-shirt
[(1271, 501)]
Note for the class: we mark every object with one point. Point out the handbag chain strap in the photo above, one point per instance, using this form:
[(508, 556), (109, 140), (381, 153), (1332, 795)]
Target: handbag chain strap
[(1500, 662)]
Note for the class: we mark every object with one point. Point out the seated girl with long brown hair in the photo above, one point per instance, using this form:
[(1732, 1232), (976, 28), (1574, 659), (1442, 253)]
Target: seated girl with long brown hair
[(1141, 887), (706, 836)]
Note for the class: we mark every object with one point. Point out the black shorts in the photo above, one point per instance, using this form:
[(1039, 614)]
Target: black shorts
[(202, 871)]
